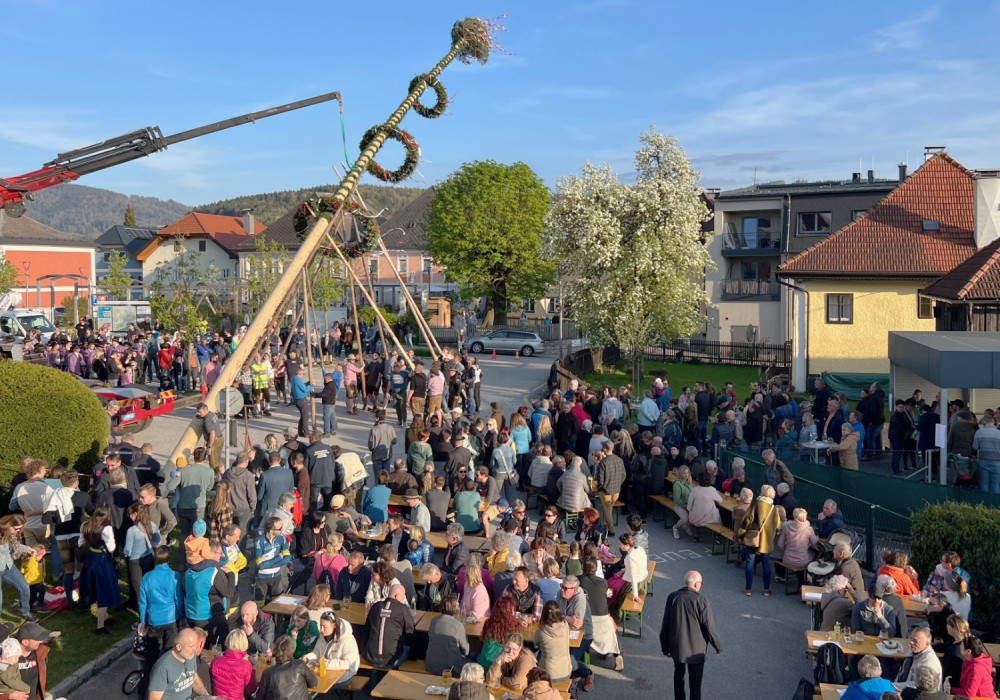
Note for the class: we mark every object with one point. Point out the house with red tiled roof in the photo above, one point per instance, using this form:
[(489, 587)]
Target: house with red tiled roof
[(209, 239), (866, 279)]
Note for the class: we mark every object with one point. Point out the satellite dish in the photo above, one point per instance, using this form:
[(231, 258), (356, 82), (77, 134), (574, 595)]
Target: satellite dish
[(751, 333)]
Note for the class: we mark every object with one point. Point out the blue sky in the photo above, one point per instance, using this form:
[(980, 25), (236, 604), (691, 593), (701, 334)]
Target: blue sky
[(793, 90)]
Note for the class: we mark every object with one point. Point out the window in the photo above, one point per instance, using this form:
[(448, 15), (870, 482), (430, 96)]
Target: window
[(373, 266), (753, 270), (815, 222), (107, 257), (402, 264), (857, 214), (840, 308), (931, 225), (925, 307), (202, 246), (552, 307), (528, 306), (427, 266)]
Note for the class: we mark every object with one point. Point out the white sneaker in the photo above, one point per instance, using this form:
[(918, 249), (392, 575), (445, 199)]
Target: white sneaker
[(619, 663), (677, 535)]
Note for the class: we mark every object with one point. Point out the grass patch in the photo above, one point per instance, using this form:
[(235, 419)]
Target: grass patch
[(680, 374)]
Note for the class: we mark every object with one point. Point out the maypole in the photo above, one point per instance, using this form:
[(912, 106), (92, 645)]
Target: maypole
[(472, 40)]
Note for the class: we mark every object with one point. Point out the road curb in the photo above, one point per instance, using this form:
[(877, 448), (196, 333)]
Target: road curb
[(539, 391), (91, 668)]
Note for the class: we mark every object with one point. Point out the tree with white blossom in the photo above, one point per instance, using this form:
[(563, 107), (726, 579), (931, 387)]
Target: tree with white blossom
[(633, 252)]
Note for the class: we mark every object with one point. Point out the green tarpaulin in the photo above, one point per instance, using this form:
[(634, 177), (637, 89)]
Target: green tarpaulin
[(852, 384)]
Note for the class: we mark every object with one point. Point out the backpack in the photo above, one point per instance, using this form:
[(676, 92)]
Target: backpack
[(805, 691), (831, 665)]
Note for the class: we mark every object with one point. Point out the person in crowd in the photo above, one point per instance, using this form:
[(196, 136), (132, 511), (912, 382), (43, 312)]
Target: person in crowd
[(289, 678), (470, 684), (956, 592), (703, 503), (502, 622), (977, 670), (303, 630), (475, 596), (511, 668), (572, 487), (575, 607), (140, 540), (383, 577), (387, 635), (257, 625), (273, 559), (549, 582), (921, 655), (847, 450), (686, 632), (590, 528), (885, 588), (540, 686), (759, 532), (846, 565), (837, 604), (11, 549), (950, 562), (898, 567), (448, 643), (98, 579), (552, 642), (233, 676), (798, 541), (628, 577), (950, 648), (175, 674), (870, 684), (681, 491), (873, 616), (337, 645), (829, 520), (375, 505)]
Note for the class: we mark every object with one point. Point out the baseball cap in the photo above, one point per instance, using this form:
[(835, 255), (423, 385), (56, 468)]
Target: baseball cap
[(33, 631)]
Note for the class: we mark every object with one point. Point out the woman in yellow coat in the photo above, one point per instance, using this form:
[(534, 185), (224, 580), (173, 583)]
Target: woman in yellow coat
[(763, 523)]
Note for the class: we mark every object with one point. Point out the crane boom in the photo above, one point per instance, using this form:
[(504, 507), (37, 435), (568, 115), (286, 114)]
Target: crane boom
[(70, 165)]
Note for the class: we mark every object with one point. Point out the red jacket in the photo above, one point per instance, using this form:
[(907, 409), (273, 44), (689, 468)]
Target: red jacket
[(166, 358), (977, 680), (233, 676)]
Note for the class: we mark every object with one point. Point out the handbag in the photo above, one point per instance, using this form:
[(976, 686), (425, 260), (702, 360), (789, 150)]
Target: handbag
[(751, 538), (514, 479)]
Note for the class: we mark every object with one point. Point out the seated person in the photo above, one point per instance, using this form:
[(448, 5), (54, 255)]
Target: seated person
[(926, 685), (870, 684), (388, 631), (977, 671), (836, 605), (898, 566), (467, 507), (873, 616)]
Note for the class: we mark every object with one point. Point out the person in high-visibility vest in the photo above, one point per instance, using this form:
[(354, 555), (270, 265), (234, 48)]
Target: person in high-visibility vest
[(261, 385)]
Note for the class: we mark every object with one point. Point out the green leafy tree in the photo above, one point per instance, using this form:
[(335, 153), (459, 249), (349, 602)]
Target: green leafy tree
[(10, 277), (327, 285), (633, 252), (117, 282), (180, 297), (80, 303), (130, 216), (264, 270), (486, 223)]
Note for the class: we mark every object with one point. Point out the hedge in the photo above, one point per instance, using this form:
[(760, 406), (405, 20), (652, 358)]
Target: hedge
[(48, 414), (974, 532)]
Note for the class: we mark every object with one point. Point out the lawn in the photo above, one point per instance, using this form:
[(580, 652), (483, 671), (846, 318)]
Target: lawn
[(680, 374)]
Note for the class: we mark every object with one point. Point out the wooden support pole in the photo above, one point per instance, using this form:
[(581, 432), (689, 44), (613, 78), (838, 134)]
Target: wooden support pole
[(361, 353), (310, 244), (309, 354)]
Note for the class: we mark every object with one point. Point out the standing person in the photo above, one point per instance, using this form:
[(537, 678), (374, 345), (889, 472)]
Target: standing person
[(611, 476), (140, 539), (328, 399), (242, 491), (986, 444), (381, 440), (686, 632), (759, 531), (175, 674), (98, 580), (192, 485), (161, 605), (399, 383), (300, 391), (11, 549)]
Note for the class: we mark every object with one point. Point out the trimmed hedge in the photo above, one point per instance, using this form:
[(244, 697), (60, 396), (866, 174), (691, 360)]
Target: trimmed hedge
[(48, 414), (974, 532)]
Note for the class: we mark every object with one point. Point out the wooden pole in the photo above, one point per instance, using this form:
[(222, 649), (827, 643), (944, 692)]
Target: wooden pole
[(309, 354), (371, 300), (301, 259), (361, 353)]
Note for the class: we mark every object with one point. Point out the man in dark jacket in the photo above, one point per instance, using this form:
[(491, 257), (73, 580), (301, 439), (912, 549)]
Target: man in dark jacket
[(567, 427), (276, 480), (610, 475), (385, 639), (458, 552), (256, 624), (830, 519), (322, 469), (820, 400), (686, 632), (242, 491), (328, 398)]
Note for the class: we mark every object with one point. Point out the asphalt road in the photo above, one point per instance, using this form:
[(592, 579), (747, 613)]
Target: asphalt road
[(762, 638)]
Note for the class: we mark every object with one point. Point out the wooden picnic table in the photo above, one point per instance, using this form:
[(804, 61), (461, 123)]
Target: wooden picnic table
[(354, 613), (830, 691), (474, 630), (814, 640), (811, 595), (324, 684), (406, 685)]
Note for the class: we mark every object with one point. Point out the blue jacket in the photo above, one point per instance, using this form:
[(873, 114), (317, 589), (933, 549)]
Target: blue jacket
[(272, 557), (208, 589), (273, 482), (868, 689), (204, 354), (376, 503), (160, 596), (300, 388)]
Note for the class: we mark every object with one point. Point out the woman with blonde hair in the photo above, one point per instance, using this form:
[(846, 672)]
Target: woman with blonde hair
[(798, 542), (12, 548), (233, 676), (545, 434), (475, 597), (317, 602), (330, 561), (759, 531)]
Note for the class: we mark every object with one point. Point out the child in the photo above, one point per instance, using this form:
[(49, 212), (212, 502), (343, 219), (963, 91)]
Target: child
[(641, 537), (196, 545), (33, 569), (10, 676), (304, 631), (574, 567), (415, 556)]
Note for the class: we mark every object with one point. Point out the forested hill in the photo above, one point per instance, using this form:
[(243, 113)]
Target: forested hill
[(90, 211), (270, 206)]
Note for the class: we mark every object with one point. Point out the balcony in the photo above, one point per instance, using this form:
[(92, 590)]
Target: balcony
[(750, 290), (751, 243)]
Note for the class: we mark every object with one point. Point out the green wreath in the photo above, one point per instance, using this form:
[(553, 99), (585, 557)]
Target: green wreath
[(324, 208), (442, 97), (409, 163)]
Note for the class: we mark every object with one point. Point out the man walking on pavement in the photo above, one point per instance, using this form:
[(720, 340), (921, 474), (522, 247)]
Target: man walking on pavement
[(686, 632)]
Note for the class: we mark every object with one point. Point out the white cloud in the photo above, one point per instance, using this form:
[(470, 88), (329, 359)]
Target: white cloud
[(51, 130), (906, 35)]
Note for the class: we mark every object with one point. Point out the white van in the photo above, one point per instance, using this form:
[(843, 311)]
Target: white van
[(19, 323)]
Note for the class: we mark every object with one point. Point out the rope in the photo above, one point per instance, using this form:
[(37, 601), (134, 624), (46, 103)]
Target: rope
[(343, 133)]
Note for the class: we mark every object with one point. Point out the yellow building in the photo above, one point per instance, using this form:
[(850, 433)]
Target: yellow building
[(865, 280)]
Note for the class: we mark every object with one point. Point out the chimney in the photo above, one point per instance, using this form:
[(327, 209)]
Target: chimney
[(855, 178), (931, 150), (902, 171), (248, 223), (987, 208), (871, 176)]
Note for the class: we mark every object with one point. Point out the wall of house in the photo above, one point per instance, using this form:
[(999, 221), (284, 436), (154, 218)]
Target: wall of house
[(49, 260), (861, 346), (841, 206), (165, 255)]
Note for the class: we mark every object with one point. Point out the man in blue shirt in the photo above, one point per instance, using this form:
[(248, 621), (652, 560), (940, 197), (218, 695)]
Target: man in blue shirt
[(399, 382), (300, 389)]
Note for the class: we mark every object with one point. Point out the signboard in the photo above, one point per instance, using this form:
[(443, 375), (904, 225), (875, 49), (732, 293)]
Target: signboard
[(232, 401)]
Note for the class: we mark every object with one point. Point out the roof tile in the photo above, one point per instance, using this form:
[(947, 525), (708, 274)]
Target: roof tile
[(889, 240), (978, 278)]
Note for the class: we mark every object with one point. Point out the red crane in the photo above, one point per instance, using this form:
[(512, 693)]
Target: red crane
[(69, 166)]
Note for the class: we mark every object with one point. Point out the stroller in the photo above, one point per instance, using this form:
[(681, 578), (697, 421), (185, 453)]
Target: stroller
[(819, 571), (134, 678)]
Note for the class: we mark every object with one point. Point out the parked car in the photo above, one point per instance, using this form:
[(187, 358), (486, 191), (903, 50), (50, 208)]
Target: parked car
[(20, 322), (524, 342)]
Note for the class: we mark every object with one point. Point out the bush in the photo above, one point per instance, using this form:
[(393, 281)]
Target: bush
[(48, 414), (367, 314), (973, 531)]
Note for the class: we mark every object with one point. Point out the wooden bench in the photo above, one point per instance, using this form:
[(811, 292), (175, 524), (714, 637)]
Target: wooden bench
[(790, 572), (616, 509), (668, 505), (722, 535), (357, 684), (408, 666), (530, 491), (632, 608)]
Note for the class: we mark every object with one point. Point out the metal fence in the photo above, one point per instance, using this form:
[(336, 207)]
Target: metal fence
[(880, 527), (752, 354)]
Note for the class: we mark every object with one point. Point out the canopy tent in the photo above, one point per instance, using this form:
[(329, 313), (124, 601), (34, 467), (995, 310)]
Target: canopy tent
[(950, 360)]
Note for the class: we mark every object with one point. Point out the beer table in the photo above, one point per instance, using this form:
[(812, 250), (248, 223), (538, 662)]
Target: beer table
[(404, 685), (814, 640), (474, 630)]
